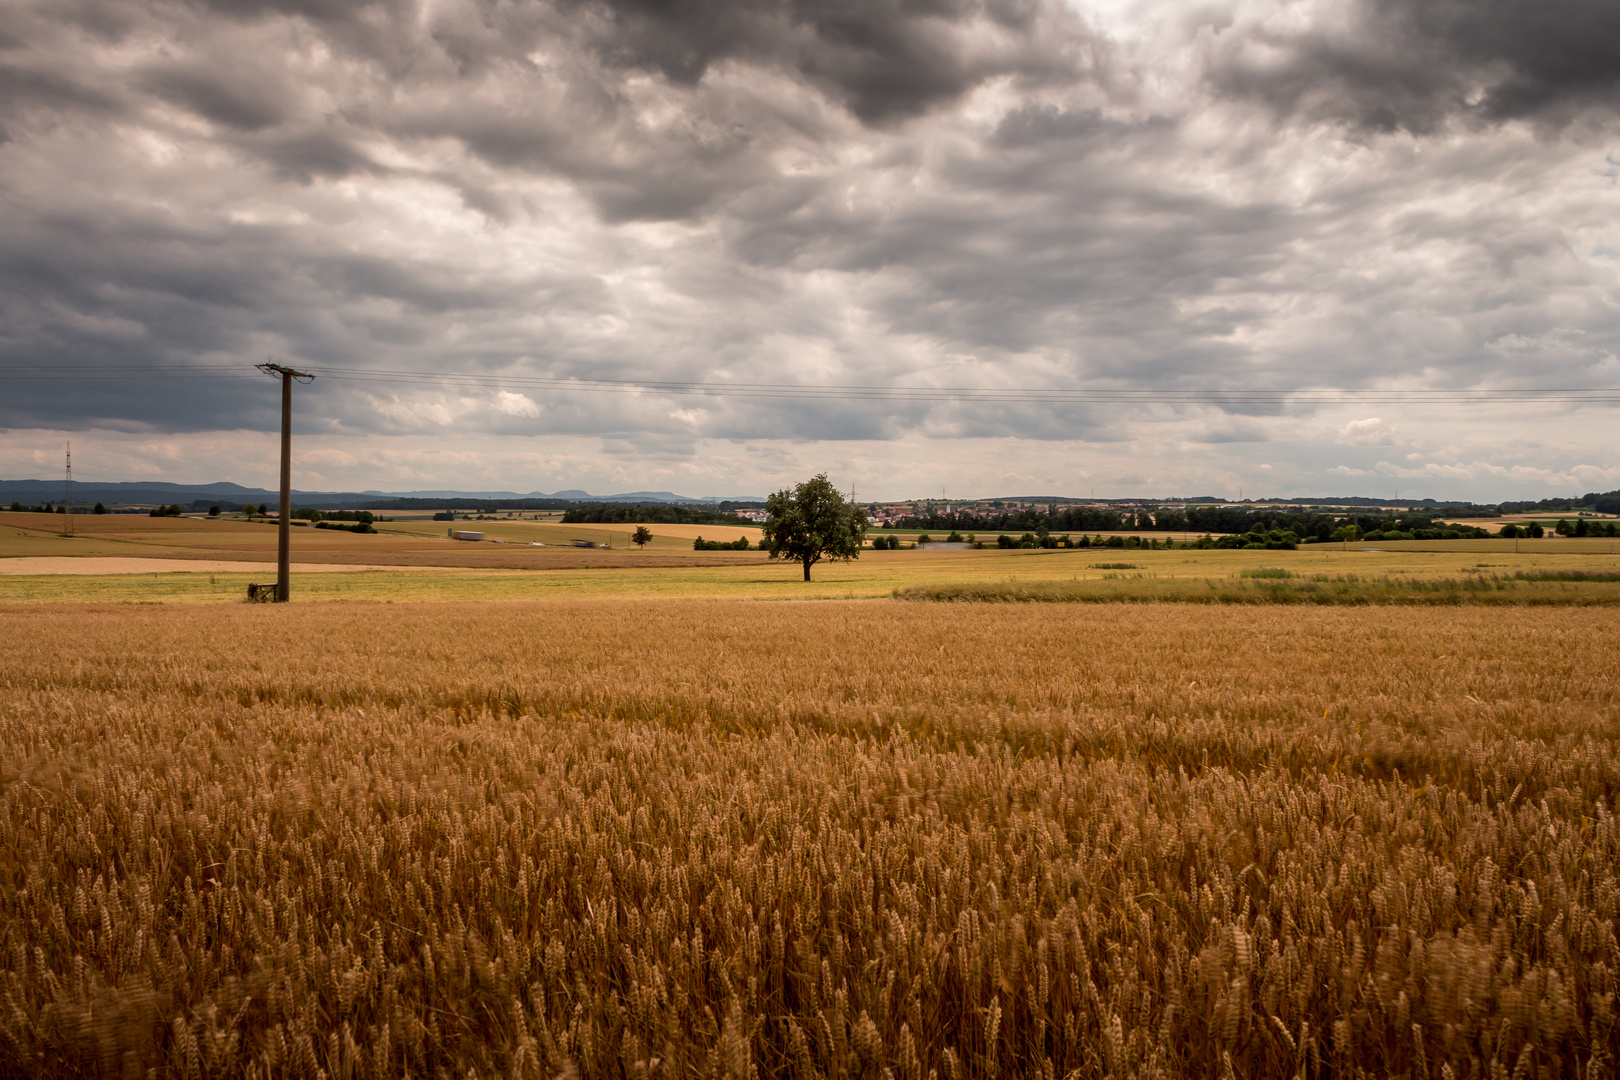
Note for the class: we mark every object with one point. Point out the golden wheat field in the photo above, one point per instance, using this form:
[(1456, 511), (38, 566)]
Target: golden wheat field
[(833, 839)]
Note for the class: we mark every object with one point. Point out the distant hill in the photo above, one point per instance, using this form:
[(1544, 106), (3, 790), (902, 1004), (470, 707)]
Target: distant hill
[(146, 491), (142, 492)]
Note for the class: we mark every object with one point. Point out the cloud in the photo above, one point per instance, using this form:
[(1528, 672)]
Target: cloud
[(885, 60), (1414, 65), (973, 193), (1244, 434), (1370, 431), (1566, 478), (516, 404)]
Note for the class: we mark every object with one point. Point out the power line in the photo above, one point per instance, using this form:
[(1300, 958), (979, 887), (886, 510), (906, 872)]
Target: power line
[(849, 391), (32, 372)]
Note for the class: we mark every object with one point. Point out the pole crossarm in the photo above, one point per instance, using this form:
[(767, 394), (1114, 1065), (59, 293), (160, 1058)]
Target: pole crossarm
[(288, 376), (281, 371)]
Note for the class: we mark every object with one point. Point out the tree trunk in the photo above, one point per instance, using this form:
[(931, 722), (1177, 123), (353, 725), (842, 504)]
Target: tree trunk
[(807, 569)]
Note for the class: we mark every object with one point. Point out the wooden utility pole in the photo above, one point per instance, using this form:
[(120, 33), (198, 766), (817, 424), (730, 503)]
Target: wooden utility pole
[(284, 544), (67, 496)]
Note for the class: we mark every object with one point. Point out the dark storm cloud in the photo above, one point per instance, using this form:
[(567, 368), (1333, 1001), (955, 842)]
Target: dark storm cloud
[(225, 97), (108, 288), (917, 192), (886, 59), (34, 81), (1041, 240), (310, 154), (318, 11), (1412, 64)]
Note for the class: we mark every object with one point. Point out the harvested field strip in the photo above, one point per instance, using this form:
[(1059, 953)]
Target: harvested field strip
[(805, 840), (1569, 589)]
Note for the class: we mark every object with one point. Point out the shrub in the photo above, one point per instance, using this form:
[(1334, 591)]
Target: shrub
[(739, 544)]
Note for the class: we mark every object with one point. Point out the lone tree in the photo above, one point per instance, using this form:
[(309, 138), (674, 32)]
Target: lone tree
[(813, 522), (641, 537)]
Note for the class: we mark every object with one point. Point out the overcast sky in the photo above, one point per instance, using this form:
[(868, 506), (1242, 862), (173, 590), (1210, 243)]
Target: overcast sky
[(1165, 195)]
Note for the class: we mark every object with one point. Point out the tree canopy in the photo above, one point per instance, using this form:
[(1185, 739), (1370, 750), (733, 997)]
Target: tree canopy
[(812, 522)]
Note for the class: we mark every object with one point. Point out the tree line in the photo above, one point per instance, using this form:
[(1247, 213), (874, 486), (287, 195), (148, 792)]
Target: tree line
[(662, 514), (482, 506), (1604, 502), (1306, 525)]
